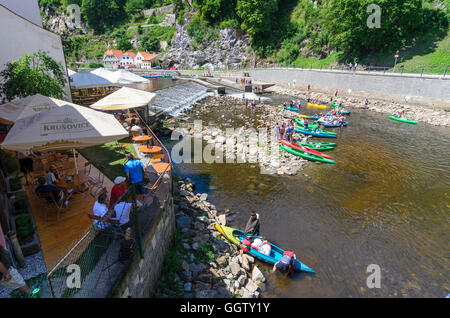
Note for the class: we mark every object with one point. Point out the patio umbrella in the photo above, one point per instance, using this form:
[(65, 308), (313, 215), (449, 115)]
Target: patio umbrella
[(121, 77), (63, 128), (28, 106), (125, 98)]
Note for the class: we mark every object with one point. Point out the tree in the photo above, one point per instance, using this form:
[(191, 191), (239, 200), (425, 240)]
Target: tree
[(35, 73), (102, 14), (149, 43), (256, 15), (124, 45), (345, 24)]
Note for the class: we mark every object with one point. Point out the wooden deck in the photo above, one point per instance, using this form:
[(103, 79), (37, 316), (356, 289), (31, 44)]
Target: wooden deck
[(57, 237)]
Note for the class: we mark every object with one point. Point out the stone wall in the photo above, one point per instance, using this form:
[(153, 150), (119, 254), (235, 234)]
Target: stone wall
[(141, 278)]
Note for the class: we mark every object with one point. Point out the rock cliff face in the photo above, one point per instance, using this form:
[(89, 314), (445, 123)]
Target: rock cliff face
[(231, 49), (62, 24)]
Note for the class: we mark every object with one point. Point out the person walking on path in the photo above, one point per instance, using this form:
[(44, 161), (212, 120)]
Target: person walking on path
[(134, 171)]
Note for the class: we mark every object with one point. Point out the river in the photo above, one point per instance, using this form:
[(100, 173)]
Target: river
[(385, 202)]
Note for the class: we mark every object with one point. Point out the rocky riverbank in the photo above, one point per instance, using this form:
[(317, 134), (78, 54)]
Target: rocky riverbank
[(203, 264), (417, 113), (250, 139)]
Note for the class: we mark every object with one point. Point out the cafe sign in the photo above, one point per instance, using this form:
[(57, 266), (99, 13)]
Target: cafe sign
[(65, 126)]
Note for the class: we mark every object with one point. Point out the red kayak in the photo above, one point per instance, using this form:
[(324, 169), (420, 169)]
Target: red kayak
[(298, 147)]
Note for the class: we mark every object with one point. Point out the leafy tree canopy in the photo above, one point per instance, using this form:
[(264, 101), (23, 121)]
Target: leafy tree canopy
[(35, 73)]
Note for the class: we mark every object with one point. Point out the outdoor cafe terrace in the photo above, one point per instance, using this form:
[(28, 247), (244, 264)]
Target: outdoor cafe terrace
[(67, 233)]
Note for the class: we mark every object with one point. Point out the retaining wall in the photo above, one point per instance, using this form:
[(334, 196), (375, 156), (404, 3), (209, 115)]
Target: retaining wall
[(142, 276)]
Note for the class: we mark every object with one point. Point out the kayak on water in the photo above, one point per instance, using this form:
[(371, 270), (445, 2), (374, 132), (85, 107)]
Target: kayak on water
[(306, 149), (311, 145), (276, 253), (313, 126), (408, 121), (229, 233), (335, 106), (307, 155), (333, 125), (316, 106), (288, 108), (309, 117), (318, 133)]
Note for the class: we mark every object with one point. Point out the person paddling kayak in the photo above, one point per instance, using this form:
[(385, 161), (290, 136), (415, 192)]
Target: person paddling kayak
[(286, 264)]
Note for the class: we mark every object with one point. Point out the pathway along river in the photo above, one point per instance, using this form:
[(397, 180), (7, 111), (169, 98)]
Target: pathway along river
[(384, 202)]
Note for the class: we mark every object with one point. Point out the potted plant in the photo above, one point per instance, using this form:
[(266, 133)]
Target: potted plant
[(26, 234)]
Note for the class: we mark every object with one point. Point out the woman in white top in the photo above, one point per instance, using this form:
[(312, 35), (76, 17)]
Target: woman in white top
[(100, 209)]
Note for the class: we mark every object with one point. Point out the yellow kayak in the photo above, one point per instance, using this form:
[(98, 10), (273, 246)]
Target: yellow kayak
[(229, 233), (316, 106)]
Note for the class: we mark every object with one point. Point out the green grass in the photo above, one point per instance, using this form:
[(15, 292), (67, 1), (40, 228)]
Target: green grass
[(433, 62), (306, 62), (109, 156)]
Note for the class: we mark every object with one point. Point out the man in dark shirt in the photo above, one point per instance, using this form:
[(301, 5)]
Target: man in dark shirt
[(43, 187)]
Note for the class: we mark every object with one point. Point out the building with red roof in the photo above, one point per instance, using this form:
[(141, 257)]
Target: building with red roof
[(111, 57)]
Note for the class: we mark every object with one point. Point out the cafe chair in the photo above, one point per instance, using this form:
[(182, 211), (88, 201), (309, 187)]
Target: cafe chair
[(49, 202)]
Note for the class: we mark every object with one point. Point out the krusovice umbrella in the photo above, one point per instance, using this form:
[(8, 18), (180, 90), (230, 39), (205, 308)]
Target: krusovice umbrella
[(63, 128)]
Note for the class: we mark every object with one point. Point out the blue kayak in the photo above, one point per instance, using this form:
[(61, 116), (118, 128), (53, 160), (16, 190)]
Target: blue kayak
[(275, 254), (333, 125), (316, 133), (289, 108)]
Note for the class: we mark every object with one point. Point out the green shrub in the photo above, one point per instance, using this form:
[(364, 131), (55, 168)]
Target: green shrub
[(15, 183), (95, 65), (24, 227)]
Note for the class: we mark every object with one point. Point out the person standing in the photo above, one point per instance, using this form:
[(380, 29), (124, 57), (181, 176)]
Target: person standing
[(134, 171), (117, 190), (253, 224), (277, 129), (366, 104)]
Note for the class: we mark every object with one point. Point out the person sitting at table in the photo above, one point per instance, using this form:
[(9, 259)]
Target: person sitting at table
[(117, 190), (44, 187), (52, 176), (100, 209)]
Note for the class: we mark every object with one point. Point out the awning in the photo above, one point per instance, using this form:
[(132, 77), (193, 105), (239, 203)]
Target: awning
[(125, 98)]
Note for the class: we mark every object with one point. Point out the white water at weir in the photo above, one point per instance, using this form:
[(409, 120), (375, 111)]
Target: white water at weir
[(175, 100)]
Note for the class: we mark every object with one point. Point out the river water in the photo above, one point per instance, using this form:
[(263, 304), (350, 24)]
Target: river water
[(386, 201)]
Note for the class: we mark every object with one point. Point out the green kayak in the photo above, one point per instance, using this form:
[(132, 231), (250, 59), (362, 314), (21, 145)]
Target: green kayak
[(315, 146), (404, 120), (306, 155), (313, 126)]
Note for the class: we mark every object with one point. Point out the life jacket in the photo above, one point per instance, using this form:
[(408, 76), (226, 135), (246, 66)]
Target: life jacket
[(289, 253), (245, 245)]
